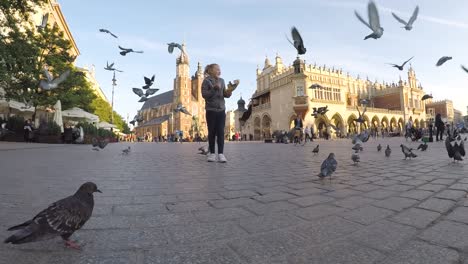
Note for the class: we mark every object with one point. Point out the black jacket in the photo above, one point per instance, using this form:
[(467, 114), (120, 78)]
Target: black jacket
[(298, 123)]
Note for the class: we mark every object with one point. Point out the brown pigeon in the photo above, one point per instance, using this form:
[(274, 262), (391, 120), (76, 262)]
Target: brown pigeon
[(61, 218)]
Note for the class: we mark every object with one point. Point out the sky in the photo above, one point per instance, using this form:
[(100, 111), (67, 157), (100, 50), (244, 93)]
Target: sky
[(238, 34)]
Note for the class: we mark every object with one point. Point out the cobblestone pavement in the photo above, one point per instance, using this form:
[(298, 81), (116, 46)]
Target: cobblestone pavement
[(165, 204)]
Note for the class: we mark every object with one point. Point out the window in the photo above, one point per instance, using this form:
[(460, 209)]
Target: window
[(299, 91)]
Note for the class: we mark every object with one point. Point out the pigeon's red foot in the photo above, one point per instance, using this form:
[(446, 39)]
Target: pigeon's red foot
[(71, 244)]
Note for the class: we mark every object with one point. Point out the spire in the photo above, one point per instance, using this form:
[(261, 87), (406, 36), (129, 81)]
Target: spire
[(199, 69), (267, 63)]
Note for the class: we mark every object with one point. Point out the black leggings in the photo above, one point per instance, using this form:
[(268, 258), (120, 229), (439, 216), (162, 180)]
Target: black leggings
[(440, 133), (215, 121)]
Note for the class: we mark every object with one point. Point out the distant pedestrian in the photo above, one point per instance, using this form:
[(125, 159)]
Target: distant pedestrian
[(439, 124), (27, 131)]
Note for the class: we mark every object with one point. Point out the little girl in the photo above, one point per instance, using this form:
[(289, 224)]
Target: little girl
[(214, 91)]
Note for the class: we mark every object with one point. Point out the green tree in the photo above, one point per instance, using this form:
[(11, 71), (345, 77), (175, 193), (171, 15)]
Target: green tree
[(104, 110), (26, 52)]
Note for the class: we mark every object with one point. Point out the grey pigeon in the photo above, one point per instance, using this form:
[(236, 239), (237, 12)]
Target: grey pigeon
[(316, 150), (319, 111), (464, 68), (360, 118), (297, 42), (143, 99), (181, 108), (426, 96), (126, 151), (125, 51), (388, 151), (148, 82), (203, 150), (99, 144), (316, 86), (400, 67), (146, 93), (61, 218), (52, 83), (44, 20), (442, 60), (374, 21), (328, 166), (110, 67), (409, 24), (172, 45), (408, 152), (361, 137), (108, 32), (379, 148), (355, 158), (455, 148), (357, 147), (423, 147)]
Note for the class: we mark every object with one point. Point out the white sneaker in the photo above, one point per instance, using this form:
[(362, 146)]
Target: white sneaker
[(222, 158), (211, 157)]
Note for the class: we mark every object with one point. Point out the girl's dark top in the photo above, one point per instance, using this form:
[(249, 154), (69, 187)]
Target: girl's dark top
[(214, 97), (438, 121)]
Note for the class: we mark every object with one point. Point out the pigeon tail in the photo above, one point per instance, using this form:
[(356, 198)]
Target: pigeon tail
[(20, 226), (23, 236)]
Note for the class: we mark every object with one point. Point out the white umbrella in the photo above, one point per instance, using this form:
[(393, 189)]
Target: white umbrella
[(58, 115), (79, 113)]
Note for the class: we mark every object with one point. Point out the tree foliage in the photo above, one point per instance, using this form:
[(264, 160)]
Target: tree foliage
[(26, 51), (104, 110)]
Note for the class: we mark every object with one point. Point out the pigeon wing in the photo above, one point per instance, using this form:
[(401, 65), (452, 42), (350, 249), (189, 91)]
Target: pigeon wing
[(464, 68), (399, 19), (462, 148), (124, 49), (147, 80), (62, 77), (362, 19), (296, 37), (374, 19), (138, 92), (45, 18), (414, 16), (48, 75), (170, 48), (183, 110), (103, 143), (406, 61), (94, 142), (151, 92), (364, 111), (449, 148)]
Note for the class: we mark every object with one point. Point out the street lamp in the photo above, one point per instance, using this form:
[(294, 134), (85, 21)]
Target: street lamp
[(114, 83)]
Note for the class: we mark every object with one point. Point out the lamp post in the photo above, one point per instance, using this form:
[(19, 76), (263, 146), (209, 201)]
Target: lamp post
[(114, 83)]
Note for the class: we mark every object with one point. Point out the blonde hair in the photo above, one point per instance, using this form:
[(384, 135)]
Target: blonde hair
[(209, 69)]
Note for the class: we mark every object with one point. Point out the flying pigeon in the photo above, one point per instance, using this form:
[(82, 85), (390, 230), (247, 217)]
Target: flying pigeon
[(328, 166), (52, 83), (172, 45), (61, 218), (443, 60), (388, 151), (374, 21), (455, 148), (99, 144), (409, 24), (355, 157), (4, 131), (426, 96), (43, 24), (203, 150), (357, 147), (423, 147), (126, 151), (400, 67), (361, 137), (298, 42), (143, 99), (316, 150), (360, 119), (110, 67), (181, 108), (148, 82), (408, 152), (364, 101), (232, 85), (126, 51), (142, 93), (464, 68), (319, 111), (316, 86), (108, 32), (27, 104), (379, 148)]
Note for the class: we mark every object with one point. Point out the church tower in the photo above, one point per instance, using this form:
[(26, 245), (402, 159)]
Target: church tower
[(182, 92), (412, 78)]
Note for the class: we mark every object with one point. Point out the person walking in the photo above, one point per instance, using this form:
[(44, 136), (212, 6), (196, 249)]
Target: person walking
[(439, 124), (214, 91)]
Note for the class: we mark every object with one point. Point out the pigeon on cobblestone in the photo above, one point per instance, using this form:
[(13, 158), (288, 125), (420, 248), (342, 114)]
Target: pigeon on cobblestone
[(328, 166), (379, 148), (99, 144), (443, 60), (388, 151), (126, 151), (203, 150), (455, 148), (61, 218), (423, 147), (374, 21), (408, 152), (316, 150), (357, 147), (355, 157)]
